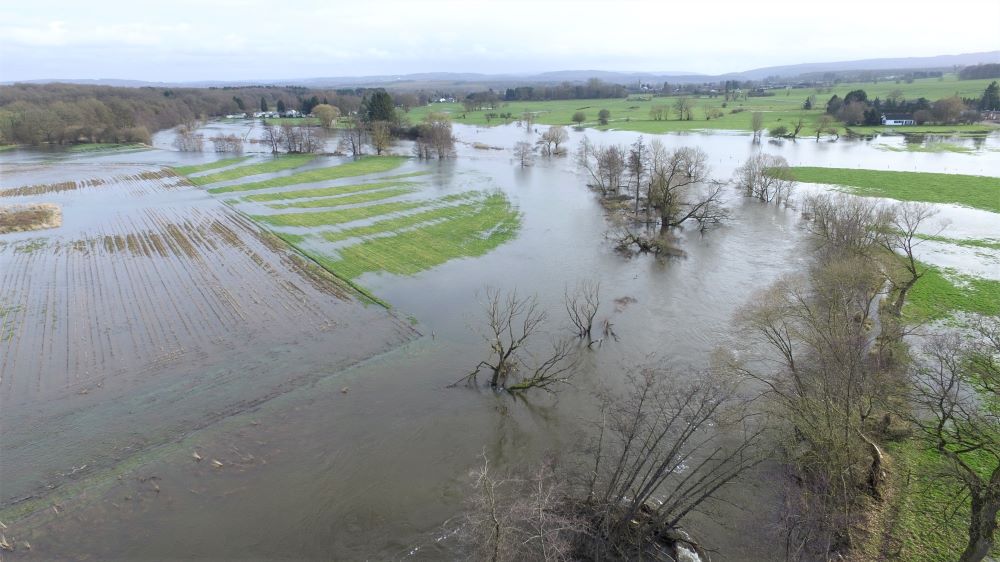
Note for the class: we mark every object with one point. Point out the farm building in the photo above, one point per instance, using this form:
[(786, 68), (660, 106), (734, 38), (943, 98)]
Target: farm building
[(896, 120)]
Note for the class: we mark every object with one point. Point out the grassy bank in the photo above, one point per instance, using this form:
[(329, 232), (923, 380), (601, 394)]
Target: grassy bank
[(277, 164), (980, 192), (364, 166)]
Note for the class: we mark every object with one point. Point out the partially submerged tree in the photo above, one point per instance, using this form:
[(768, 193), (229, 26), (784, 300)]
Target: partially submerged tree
[(434, 138), (756, 125), (581, 306), (765, 177), (551, 139), (663, 450), (353, 137), (523, 153), (579, 117), (380, 133), (679, 189), (512, 323)]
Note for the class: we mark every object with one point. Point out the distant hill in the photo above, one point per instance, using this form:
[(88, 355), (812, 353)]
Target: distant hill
[(472, 80)]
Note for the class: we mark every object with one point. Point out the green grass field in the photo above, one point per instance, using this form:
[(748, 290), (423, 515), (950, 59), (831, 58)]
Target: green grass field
[(364, 166), (337, 216), (277, 164), (459, 232), (103, 146), (188, 170), (327, 191), (940, 293), (368, 196), (980, 192), (784, 108), (988, 243), (931, 526), (400, 223)]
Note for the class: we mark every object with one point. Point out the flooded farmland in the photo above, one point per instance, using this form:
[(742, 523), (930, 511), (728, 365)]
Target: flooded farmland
[(177, 380)]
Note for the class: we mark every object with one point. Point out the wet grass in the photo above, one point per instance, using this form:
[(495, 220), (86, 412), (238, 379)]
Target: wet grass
[(988, 243), (188, 170), (400, 223), (337, 216), (328, 191), (102, 146), (458, 234), (362, 197), (278, 164), (980, 192), (364, 166), (942, 292), (933, 147)]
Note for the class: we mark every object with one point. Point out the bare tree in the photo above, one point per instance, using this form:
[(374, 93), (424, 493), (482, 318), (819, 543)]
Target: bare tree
[(528, 118), (228, 143), (512, 323), (900, 240), (678, 190), (353, 137), (582, 305), (552, 138), (604, 164), (662, 450), (273, 137), (824, 125), (766, 177), (658, 112), (381, 136), (684, 108), (434, 137), (515, 519), (756, 124), (188, 140), (957, 390), (636, 164), (524, 153)]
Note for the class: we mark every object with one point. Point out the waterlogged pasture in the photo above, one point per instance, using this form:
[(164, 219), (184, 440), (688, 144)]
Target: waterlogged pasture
[(980, 192), (373, 461), (130, 324), (379, 226)]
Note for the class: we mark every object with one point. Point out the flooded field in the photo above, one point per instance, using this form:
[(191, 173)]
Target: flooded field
[(177, 382)]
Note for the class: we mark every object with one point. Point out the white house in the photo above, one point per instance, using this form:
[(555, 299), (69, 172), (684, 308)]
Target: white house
[(896, 120)]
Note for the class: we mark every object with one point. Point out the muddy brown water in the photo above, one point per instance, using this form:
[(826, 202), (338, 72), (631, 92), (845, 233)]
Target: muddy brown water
[(318, 461)]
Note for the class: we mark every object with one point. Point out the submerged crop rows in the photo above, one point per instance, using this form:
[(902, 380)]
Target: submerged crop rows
[(383, 223)]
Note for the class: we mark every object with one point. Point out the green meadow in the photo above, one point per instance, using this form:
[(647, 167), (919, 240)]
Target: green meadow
[(277, 164), (783, 108), (980, 192), (188, 170), (364, 166)]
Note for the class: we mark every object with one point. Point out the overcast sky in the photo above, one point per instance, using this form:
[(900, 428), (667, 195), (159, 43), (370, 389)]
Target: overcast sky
[(179, 40)]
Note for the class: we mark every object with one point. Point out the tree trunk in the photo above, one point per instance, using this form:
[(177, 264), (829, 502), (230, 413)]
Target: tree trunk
[(983, 525)]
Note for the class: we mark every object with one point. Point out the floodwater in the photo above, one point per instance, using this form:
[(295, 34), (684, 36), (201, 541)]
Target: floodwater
[(373, 462)]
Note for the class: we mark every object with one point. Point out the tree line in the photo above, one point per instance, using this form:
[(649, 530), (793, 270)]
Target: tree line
[(55, 113)]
